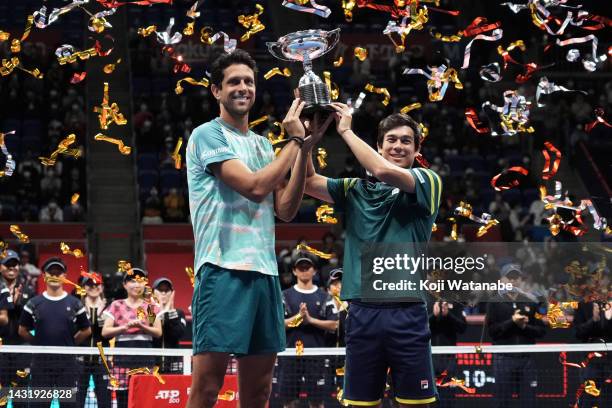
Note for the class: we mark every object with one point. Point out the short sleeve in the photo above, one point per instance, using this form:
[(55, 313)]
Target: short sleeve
[(111, 311), (81, 320), (428, 189), (6, 301), (338, 190), (27, 316), (211, 145), (329, 311)]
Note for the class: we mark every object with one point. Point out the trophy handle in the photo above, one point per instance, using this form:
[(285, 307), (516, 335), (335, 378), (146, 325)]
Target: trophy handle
[(335, 34), (276, 50)]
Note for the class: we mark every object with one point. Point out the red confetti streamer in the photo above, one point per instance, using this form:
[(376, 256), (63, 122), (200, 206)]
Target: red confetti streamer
[(550, 171), (96, 277), (98, 46), (599, 113), (78, 77), (472, 117), (115, 3), (179, 65), (422, 161), (530, 68), (511, 183), (395, 11), (602, 22), (478, 26)]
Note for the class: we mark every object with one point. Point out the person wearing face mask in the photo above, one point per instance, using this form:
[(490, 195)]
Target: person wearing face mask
[(511, 320), (57, 319), (133, 323), (173, 324), (95, 305)]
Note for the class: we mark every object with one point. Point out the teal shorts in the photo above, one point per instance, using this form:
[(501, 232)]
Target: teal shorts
[(237, 312)]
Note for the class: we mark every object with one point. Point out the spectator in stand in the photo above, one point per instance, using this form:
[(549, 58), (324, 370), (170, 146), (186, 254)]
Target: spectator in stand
[(152, 208), (73, 212), (593, 323), (6, 305), (308, 317), (133, 324), (173, 322), (174, 206), (51, 213), (95, 305), (339, 309), (32, 272), (15, 280), (511, 320), (446, 321), (50, 185), (57, 319)]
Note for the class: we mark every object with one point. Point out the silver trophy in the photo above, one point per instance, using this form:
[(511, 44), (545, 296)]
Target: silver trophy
[(305, 46)]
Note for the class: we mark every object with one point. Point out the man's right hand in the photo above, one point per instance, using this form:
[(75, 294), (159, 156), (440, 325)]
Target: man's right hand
[(316, 130), (292, 123), (519, 319)]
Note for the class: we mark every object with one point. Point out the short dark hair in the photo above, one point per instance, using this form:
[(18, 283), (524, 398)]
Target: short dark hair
[(396, 120), (225, 60)]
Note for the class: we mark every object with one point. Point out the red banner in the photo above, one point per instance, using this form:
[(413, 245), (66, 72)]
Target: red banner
[(146, 391)]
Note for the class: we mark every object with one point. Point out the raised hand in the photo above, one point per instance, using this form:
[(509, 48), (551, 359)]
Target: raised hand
[(316, 130), (344, 117), (292, 123)]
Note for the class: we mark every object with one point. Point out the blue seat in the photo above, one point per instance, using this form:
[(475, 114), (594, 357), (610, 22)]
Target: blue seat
[(148, 161), (169, 178), (32, 128), (147, 179)]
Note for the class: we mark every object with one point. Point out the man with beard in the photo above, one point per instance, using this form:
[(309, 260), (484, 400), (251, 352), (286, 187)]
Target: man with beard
[(236, 186)]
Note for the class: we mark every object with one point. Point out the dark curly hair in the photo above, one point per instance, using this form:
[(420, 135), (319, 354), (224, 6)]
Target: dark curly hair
[(396, 120), (225, 60)]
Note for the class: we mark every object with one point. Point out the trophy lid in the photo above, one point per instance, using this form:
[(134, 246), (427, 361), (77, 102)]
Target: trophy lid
[(304, 45)]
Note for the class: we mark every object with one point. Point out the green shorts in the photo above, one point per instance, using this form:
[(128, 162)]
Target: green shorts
[(237, 312)]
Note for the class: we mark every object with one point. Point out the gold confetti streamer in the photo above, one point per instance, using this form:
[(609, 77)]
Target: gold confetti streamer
[(591, 389), (66, 55), (411, 107), (434, 227), (296, 321), (22, 373), (179, 89), (339, 62), (77, 253), (321, 157), (340, 371), (334, 90), (258, 121), (140, 313), (320, 254), (299, 348), (147, 31), (361, 53), (228, 395), (114, 382), (188, 30), (8, 66), (251, 23), (124, 150), (325, 214), (276, 139), (75, 198), (380, 91), (286, 72), (110, 68), (62, 148), (156, 374), (20, 235), (3, 249), (139, 370), (124, 266), (190, 275), (109, 114), (453, 234), (176, 155), (205, 33), (151, 314)]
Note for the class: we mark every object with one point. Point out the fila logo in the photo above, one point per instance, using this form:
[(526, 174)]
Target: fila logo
[(424, 384), (171, 395)]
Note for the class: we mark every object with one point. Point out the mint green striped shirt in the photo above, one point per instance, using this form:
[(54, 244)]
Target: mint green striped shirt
[(230, 230)]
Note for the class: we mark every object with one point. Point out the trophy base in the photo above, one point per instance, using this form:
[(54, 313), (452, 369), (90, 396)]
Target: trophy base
[(316, 96), (310, 110)]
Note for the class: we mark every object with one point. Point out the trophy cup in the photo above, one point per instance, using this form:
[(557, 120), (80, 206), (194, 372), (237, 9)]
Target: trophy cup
[(305, 46)]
